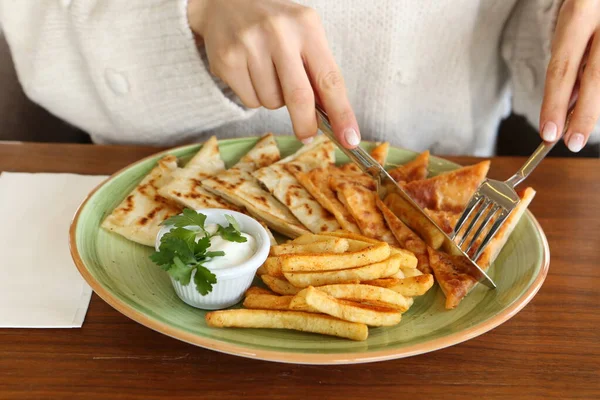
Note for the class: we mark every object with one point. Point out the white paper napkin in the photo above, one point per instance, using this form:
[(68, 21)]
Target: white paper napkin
[(40, 287)]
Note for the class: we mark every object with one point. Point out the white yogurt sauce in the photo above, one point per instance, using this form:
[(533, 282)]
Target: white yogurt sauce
[(235, 253)]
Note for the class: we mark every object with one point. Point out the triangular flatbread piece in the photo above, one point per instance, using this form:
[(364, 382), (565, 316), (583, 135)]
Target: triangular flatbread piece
[(380, 153), (280, 180), (493, 249), (186, 187), (238, 186), (444, 219), (449, 191), (361, 203), (413, 170), (447, 221), (421, 225), (406, 237), (454, 275), (265, 152), (316, 182), (138, 217), (455, 284)]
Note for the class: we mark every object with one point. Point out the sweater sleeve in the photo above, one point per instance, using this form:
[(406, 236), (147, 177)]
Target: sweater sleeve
[(526, 48), (124, 71)]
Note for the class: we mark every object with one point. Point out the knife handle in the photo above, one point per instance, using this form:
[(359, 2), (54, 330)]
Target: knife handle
[(358, 154)]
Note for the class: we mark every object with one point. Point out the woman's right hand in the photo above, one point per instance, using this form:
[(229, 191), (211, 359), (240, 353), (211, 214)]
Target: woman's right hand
[(274, 53)]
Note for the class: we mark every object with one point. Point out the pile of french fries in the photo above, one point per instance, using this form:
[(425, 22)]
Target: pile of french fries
[(334, 283)]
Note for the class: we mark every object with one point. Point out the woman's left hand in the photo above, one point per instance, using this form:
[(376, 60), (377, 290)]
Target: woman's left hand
[(573, 72)]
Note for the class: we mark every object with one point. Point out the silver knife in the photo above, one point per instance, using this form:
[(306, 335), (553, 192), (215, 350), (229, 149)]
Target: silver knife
[(401, 204)]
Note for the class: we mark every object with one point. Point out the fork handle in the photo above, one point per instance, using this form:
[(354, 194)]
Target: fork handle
[(358, 154), (538, 155)]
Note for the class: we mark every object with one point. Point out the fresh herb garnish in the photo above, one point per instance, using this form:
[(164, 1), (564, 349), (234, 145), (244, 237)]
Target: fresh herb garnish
[(180, 252), (231, 232), (189, 218), (204, 280)]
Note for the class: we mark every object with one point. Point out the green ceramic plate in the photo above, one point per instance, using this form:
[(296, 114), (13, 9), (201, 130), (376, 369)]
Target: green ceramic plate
[(120, 272)]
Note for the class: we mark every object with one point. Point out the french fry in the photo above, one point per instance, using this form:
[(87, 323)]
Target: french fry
[(369, 272), (351, 311), (398, 275), (333, 245), (279, 285), (369, 294), (294, 320), (407, 258), (404, 252), (299, 303), (257, 290), (382, 304), (261, 270), (330, 262), (351, 235), (272, 266), (356, 241), (309, 238), (410, 287), (408, 272), (267, 302), (357, 245), (382, 282)]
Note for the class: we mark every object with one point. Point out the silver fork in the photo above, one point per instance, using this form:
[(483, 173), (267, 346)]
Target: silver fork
[(497, 198)]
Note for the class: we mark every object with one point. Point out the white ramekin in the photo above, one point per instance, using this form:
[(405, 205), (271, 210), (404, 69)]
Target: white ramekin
[(232, 282)]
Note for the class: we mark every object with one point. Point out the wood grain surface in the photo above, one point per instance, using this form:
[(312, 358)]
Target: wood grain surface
[(550, 350)]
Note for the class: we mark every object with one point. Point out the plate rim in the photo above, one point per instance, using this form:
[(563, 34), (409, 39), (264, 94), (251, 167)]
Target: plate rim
[(289, 357)]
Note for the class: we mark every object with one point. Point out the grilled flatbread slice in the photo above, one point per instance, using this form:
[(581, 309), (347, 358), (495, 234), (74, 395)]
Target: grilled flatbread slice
[(138, 217), (454, 274), (449, 191), (265, 152), (361, 203), (406, 237), (493, 249), (444, 219), (238, 186), (319, 182), (316, 182), (411, 171), (447, 221), (186, 186), (380, 153), (280, 180), (414, 170)]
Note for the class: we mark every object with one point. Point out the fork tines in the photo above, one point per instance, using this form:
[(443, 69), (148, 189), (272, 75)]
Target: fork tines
[(483, 211)]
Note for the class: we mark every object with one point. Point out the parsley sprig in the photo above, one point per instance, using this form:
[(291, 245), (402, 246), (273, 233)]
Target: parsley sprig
[(180, 252)]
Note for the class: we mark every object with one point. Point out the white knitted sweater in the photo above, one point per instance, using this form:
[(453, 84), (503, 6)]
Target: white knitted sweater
[(426, 74)]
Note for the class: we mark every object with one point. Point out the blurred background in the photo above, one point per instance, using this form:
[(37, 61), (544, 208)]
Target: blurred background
[(22, 120)]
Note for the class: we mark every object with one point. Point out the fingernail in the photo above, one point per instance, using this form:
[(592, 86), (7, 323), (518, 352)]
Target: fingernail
[(308, 140), (352, 137), (576, 142), (549, 132)]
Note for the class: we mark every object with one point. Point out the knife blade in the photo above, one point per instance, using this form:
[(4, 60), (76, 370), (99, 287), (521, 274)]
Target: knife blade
[(401, 204)]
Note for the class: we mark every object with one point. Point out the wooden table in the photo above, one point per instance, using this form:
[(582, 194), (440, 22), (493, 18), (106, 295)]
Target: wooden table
[(550, 350)]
